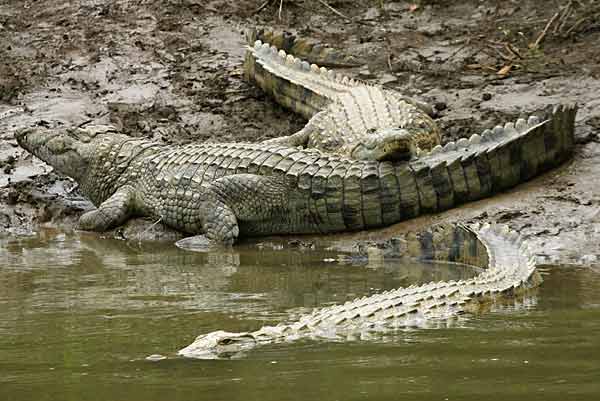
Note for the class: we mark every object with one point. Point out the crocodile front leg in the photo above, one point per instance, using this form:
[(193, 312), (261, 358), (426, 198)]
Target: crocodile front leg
[(302, 137), (112, 212), (240, 198)]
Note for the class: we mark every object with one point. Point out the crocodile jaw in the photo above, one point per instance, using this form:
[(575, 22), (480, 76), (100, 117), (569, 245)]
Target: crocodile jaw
[(63, 149)]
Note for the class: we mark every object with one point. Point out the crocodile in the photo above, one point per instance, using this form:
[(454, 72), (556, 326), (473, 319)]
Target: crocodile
[(220, 191), (345, 116), (509, 272)]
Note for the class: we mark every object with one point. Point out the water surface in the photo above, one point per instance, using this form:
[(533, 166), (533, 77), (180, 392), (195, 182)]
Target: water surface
[(79, 314)]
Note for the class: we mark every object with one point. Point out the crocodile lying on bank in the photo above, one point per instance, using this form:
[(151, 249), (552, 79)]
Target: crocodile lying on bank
[(231, 189), (509, 270), (346, 117)]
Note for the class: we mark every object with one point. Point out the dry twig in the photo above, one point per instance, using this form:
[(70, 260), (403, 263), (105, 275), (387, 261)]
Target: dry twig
[(334, 10), (262, 6), (567, 11), (513, 50), (542, 35)]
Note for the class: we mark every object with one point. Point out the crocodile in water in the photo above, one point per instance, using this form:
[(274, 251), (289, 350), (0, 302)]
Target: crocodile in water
[(509, 270)]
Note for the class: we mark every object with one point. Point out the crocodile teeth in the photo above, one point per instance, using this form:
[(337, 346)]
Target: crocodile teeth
[(475, 139), (331, 75), (345, 81), (521, 125), (314, 68), (258, 45), (274, 50), (304, 65), (487, 135), (533, 120), (282, 54), (289, 60)]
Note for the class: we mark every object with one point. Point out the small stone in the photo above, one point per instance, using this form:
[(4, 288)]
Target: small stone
[(486, 96), (155, 357)]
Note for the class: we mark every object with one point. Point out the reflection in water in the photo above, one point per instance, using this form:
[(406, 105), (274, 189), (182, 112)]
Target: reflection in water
[(249, 279), (79, 314)]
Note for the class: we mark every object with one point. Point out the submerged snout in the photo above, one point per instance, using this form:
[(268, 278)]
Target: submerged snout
[(218, 345)]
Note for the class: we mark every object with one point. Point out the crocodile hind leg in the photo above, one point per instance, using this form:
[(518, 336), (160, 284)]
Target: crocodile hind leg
[(112, 212), (229, 200)]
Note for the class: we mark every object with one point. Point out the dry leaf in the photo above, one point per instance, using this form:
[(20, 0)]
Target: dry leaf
[(505, 70)]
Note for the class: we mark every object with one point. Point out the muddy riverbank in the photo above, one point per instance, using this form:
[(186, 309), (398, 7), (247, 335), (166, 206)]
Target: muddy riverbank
[(172, 71)]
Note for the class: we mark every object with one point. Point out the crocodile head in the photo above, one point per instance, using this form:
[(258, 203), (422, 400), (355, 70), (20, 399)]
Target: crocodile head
[(387, 144), (69, 150), (218, 344)]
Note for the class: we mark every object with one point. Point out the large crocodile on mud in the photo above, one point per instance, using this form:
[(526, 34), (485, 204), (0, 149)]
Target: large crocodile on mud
[(509, 271), (346, 116), (231, 189)]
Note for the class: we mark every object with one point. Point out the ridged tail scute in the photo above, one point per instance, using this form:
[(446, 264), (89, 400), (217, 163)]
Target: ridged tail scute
[(297, 84), (498, 159), (508, 266), (305, 48)]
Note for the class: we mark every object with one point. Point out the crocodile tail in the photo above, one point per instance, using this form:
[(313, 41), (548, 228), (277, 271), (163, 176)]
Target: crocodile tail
[(294, 83), (305, 48)]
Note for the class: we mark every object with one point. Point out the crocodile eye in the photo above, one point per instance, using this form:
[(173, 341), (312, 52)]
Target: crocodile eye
[(226, 341)]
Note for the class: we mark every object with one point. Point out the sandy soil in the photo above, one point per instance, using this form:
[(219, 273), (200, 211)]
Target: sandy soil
[(172, 70)]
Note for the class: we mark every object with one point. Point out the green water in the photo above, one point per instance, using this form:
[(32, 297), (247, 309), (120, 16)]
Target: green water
[(78, 316)]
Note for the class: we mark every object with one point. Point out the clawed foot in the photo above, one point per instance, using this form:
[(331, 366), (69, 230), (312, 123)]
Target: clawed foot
[(94, 220)]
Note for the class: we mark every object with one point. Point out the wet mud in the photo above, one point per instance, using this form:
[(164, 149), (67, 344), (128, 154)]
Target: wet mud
[(172, 71)]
